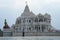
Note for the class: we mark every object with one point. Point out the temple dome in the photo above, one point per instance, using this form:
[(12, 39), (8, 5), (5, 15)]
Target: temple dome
[(27, 12)]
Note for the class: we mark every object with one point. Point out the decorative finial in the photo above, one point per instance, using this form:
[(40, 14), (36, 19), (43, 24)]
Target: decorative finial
[(26, 2), (5, 22)]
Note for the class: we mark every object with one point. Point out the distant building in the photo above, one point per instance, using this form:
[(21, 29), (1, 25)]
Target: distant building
[(6, 30), (29, 24)]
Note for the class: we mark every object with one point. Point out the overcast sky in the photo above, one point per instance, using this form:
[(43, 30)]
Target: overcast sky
[(11, 9)]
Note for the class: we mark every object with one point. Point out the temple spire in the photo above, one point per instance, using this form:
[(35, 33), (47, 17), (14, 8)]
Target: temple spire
[(26, 7)]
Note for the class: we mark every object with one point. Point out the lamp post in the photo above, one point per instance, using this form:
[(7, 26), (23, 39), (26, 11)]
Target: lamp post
[(23, 32), (23, 28)]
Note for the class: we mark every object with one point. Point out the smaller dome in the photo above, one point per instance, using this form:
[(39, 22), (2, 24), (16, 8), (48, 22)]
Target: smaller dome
[(47, 15), (39, 14), (6, 26)]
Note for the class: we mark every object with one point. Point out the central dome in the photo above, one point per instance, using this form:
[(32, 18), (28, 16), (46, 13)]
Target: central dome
[(27, 12)]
